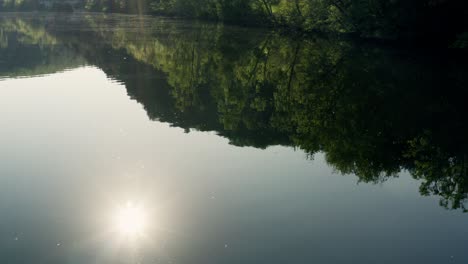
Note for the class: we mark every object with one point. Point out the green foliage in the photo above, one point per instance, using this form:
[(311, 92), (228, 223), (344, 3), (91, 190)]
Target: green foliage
[(27, 49), (19, 5), (372, 111), (233, 11), (425, 22), (117, 6), (319, 95), (443, 172), (438, 21)]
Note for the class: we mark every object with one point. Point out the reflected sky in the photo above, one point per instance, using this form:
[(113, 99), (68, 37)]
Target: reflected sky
[(128, 139), (74, 147)]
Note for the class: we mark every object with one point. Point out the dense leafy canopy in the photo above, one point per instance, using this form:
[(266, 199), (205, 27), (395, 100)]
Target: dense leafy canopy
[(441, 22), (374, 112)]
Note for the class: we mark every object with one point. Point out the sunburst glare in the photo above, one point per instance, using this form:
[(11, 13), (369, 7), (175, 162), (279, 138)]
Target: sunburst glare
[(130, 220)]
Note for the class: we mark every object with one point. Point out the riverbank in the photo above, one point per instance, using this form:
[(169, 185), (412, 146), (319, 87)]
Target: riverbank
[(420, 22)]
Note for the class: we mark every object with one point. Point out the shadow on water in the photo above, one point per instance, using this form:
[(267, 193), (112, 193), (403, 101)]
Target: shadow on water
[(373, 111)]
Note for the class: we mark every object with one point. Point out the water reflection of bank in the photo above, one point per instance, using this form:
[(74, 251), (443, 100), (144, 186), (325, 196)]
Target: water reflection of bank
[(373, 111)]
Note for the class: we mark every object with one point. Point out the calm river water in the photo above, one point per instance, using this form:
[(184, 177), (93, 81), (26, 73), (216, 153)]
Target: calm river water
[(129, 139)]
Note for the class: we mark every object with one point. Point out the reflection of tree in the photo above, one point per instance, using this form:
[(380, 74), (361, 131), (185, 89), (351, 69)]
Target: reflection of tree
[(28, 49), (372, 111), (363, 107), (29, 34), (442, 169)]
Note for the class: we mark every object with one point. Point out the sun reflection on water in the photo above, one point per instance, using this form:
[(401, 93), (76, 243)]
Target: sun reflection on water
[(130, 220)]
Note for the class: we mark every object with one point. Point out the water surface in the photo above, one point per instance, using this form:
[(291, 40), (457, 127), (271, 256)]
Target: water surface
[(128, 139)]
